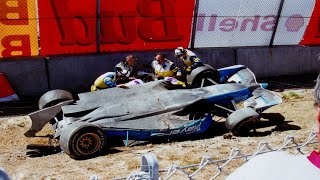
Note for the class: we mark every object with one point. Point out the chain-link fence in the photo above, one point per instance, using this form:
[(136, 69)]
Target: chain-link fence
[(210, 168)]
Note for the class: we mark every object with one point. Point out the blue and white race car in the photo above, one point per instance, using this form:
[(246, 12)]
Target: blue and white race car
[(153, 109)]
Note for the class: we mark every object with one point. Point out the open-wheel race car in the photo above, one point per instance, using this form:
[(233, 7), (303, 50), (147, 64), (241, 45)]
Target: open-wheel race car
[(153, 109)]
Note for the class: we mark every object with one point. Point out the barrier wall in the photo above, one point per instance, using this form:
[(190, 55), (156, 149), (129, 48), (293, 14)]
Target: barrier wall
[(278, 61), (77, 73), (28, 77), (35, 76)]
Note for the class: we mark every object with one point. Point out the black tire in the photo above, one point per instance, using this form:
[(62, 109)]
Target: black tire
[(83, 142), (242, 121), (54, 97)]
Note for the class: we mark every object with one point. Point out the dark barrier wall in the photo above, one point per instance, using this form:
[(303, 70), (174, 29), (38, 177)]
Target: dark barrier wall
[(266, 62), (28, 76), (76, 73), (34, 76)]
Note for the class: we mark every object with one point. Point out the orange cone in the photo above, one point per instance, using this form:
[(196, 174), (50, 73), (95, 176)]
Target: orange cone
[(6, 91)]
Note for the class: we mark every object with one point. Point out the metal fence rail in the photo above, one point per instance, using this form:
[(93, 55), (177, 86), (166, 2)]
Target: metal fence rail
[(289, 143)]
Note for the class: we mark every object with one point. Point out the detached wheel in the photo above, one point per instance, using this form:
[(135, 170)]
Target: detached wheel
[(242, 121), (203, 76), (54, 97), (82, 140), (205, 79)]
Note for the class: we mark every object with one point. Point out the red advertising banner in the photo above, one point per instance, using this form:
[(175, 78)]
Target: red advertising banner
[(18, 28), (67, 26), (145, 24), (312, 33)]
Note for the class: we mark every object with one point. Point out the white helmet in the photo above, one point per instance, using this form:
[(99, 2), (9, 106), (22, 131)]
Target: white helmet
[(179, 51)]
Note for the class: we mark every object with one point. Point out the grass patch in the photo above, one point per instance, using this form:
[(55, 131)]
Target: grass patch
[(285, 96), (290, 95), (294, 95)]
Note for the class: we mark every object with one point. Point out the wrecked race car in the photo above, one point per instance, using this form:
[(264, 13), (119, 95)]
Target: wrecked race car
[(153, 109)]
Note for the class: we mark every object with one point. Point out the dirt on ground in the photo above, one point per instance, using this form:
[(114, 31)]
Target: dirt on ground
[(294, 117)]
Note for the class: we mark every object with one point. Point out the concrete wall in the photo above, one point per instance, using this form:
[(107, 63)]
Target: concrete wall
[(76, 73), (266, 62), (34, 76), (27, 76)]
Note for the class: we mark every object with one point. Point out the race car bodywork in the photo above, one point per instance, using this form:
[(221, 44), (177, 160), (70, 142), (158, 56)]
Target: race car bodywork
[(151, 110)]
